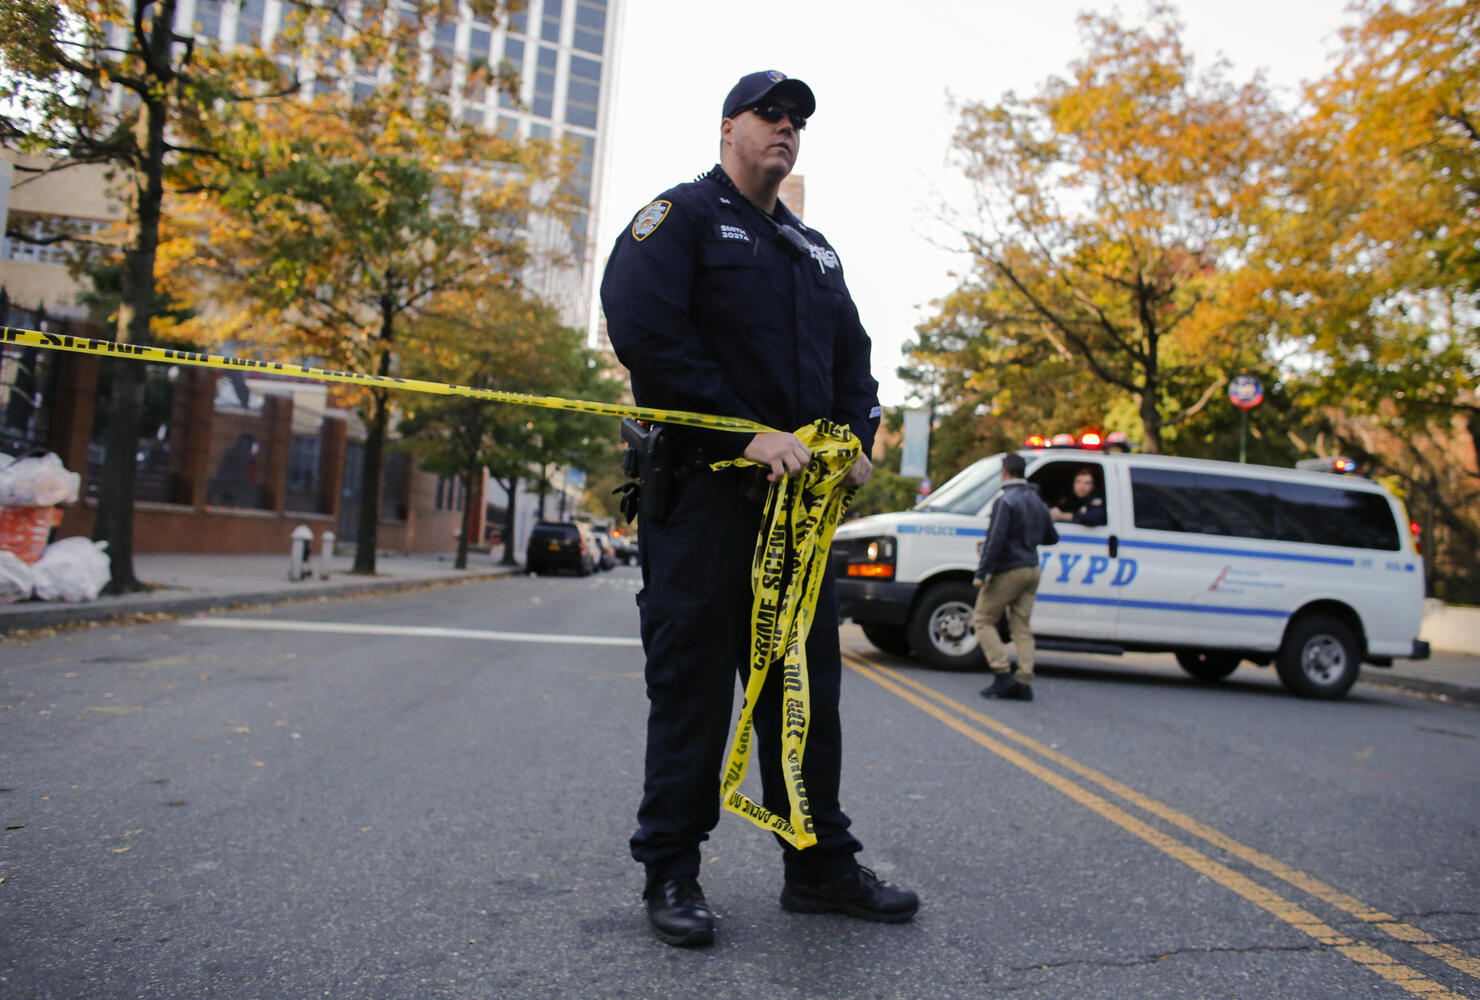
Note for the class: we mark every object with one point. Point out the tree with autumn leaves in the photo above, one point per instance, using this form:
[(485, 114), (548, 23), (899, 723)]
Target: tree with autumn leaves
[(1144, 232), (340, 225), (1109, 206), (130, 85), (1376, 272), (509, 342)]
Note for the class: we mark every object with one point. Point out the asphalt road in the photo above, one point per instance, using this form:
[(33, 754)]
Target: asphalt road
[(428, 794)]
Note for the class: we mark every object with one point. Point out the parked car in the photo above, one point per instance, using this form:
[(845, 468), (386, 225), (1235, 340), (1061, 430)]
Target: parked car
[(605, 548), (1213, 561), (554, 546)]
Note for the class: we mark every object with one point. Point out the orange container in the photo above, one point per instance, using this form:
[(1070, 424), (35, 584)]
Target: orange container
[(24, 530)]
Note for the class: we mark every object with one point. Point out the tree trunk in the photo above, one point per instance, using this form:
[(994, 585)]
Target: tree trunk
[(1150, 422), (1472, 424), (115, 520), (508, 557), (467, 521), (365, 533)]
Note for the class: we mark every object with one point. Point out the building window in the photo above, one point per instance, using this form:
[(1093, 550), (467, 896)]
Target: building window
[(585, 161), (543, 104), (444, 38), (583, 93), (249, 21), (208, 19), (479, 39), (590, 25), (550, 23), (303, 473), (40, 230), (393, 505), (449, 493), (514, 56)]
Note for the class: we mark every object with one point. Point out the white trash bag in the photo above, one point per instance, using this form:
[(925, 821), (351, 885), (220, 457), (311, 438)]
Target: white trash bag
[(73, 569), (16, 579), (40, 481)]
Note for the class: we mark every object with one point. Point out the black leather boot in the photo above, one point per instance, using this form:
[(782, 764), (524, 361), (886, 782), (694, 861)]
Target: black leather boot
[(678, 912), (858, 894)]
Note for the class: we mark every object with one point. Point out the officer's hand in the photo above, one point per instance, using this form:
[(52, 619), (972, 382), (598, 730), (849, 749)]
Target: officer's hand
[(859, 472), (782, 451), (977, 582)]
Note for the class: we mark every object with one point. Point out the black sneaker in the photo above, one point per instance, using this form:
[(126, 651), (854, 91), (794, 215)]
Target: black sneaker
[(858, 894), (1000, 682), (677, 911), (1018, 691)]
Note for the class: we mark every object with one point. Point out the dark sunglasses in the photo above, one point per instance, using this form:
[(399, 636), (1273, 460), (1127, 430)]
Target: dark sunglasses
[(773, 113)]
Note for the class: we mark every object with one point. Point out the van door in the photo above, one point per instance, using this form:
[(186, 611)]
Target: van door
[(1077, 593)]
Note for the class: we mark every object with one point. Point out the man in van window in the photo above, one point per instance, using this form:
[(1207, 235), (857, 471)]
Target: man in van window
[(1018, 522), (1084, 505)]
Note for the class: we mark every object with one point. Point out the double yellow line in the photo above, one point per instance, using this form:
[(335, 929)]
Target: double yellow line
[(983, 730)]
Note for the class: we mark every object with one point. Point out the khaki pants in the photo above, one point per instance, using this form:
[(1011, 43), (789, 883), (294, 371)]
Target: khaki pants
[(1013, 591)]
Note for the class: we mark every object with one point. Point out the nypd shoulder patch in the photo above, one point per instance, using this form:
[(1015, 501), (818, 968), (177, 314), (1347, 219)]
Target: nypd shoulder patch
[(649, 219)]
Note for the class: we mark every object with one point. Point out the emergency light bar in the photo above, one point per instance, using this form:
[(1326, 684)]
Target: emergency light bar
[(1089, 441), (1328, 463)]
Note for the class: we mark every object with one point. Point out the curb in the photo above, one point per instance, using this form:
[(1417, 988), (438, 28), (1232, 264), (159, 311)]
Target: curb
[(1450, 692), (55, 616)]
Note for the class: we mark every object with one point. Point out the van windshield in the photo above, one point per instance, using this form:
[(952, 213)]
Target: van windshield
[(968, 491)]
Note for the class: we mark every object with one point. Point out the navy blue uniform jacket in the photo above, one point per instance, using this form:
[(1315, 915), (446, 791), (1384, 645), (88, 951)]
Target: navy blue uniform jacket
[(712, 310)]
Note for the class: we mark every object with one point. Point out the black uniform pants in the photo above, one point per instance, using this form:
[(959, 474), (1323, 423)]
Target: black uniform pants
[(695, 615)]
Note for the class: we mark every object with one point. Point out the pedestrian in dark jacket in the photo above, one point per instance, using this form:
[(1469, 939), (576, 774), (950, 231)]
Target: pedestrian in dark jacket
[(1018, 522)]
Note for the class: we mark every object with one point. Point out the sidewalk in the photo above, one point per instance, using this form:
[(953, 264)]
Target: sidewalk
[(190, 584)]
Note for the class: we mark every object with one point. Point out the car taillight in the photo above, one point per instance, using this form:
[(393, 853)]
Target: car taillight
[(1417, 533)]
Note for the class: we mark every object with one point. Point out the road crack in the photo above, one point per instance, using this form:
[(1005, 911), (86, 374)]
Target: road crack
[(1126, 963)]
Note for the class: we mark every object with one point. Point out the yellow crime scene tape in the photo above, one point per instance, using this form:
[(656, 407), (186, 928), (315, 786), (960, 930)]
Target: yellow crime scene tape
[(786, 575), (790, 557)]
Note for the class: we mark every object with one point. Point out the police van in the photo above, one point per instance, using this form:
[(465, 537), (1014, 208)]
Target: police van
[(1216, 562)]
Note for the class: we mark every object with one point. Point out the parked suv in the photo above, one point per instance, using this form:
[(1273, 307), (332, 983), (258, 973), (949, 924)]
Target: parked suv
[(554, 546)]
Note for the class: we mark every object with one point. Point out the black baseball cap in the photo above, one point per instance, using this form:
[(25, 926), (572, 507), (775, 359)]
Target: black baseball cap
[(754, 88)]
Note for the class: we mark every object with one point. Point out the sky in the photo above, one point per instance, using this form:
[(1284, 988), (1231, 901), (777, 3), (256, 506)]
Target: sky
[(879, 183)]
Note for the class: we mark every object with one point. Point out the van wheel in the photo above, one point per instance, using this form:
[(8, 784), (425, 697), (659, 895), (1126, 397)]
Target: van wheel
[(1208, 664), (1318, 658), (889, 638), (940, 631)]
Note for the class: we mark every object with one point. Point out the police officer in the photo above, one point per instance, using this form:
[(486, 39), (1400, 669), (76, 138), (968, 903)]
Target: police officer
[(1084, 505), (718, 299)]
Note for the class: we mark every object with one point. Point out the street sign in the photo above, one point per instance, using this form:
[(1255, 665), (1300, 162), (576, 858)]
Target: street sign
[(1245, 392), (916, 444)]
